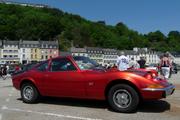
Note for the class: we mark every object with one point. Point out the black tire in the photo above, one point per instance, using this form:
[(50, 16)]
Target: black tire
[(29, 93), (123, 98)]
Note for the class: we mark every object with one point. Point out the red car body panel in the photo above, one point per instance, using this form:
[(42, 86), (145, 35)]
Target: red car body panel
[(89, 84)]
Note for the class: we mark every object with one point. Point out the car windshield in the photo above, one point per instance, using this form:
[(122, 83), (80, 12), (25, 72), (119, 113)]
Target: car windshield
[(84, 63), (152, 65)]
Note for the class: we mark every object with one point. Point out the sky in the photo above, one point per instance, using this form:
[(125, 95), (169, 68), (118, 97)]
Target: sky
[(143, 16)]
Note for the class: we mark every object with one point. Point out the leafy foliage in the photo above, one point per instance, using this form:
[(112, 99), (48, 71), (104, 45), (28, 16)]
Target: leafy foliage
[(29, 23)]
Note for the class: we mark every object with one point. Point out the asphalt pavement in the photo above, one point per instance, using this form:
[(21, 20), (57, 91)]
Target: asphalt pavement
[(12, 107)]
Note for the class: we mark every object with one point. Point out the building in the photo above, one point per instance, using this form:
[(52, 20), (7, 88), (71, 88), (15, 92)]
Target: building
[(110, 56), (10, 52), (175, 57), (95, 54), (149, 55), (49, 49), (24, 51), (78, 51), (29, 51), (24, 4)]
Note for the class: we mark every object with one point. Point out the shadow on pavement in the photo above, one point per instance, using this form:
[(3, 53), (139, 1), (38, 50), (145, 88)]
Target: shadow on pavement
[(73, 102), (157, 106)]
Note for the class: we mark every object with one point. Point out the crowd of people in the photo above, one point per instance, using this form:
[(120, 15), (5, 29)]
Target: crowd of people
[(123, 63), (5, 70), (164, 66)]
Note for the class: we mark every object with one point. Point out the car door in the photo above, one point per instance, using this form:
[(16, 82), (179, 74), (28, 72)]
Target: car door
[(64, 79), (96, 83)]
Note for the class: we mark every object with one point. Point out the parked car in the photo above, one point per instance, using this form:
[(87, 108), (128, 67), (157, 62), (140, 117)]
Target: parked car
[(80, 77), (174, 68), (152, 67)]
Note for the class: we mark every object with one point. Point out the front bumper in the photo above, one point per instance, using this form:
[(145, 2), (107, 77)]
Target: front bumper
[(157, 93)]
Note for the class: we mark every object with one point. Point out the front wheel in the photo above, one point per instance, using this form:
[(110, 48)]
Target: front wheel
[(123, 98), (29, 93)]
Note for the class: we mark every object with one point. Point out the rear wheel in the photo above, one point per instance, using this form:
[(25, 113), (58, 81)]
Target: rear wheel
[(29, 93), (123, 98)]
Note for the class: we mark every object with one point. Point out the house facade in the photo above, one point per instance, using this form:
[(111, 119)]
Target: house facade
[(10, 52), (24, 51), (95, 54), (48, 49), (109, 56), (29, 51)]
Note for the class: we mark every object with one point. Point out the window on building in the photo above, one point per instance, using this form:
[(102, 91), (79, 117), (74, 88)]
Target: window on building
[(35, 56), (42, 57), (5, 56), (31, 56), (23, 50), (5, 50), (35, 50), (46, 57), (23, 55), (31, 50)]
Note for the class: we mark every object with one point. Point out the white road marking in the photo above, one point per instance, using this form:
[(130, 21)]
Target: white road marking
[(49, 114), (7, 100), (4, 107), (0, 116), (10, 95)]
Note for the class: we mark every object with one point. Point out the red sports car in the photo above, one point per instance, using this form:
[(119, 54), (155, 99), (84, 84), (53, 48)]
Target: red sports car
[(80, 77)]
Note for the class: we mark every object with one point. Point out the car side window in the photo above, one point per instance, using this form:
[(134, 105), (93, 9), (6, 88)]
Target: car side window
[(62, 64), (43, 66)]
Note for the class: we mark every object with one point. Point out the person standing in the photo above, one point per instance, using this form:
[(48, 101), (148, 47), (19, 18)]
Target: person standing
[(166, 65), (142, 62), (133, 64), (122, 62)]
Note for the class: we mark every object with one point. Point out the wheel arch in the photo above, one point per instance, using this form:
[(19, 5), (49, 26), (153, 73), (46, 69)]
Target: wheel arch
[(122, 81), (28, 81)]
